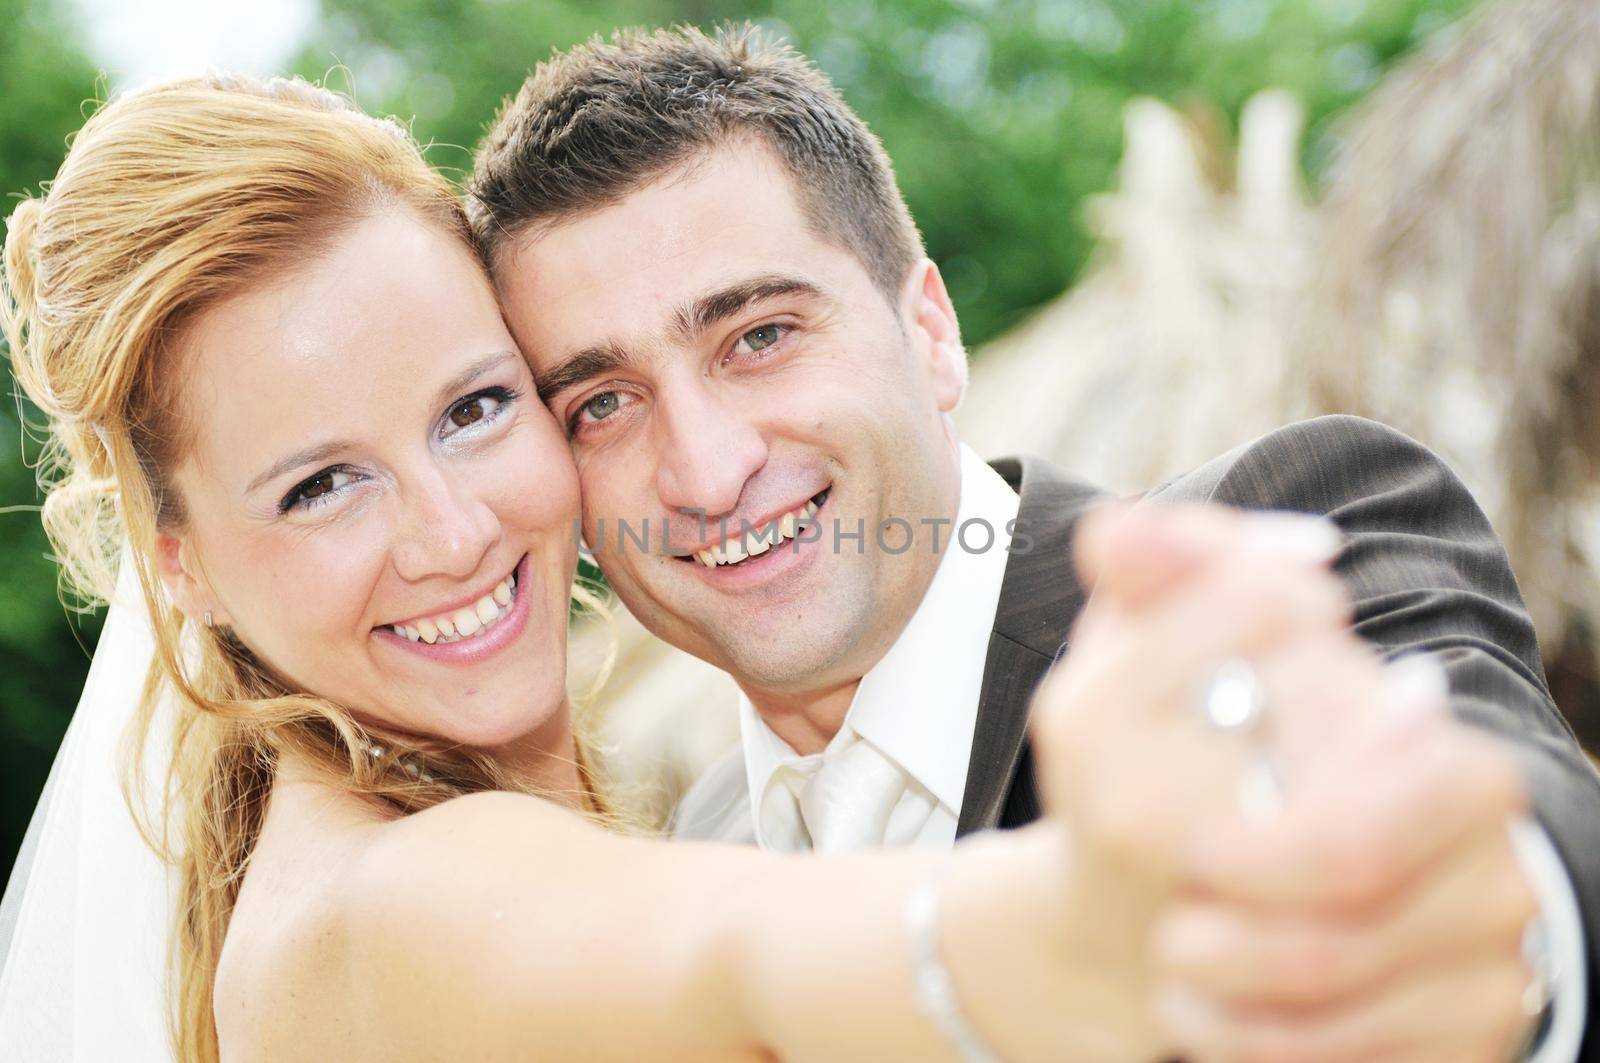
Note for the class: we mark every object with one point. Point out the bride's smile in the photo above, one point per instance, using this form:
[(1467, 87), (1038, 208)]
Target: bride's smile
[(473, 619)]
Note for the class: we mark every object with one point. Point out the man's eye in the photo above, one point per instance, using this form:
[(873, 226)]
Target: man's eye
[(602, 405), (598, 407), (760, 338)]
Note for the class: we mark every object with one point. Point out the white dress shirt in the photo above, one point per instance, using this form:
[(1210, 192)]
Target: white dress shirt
[(896, 771)]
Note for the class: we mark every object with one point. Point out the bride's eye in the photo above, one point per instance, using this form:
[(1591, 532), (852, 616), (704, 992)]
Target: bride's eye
[(316, 490), (474, 410), (466, 414)]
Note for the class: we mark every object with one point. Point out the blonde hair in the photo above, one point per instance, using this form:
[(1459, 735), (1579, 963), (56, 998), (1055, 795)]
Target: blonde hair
[(170, 200)]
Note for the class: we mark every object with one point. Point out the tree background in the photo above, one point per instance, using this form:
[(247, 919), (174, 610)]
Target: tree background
[(1002, 116)]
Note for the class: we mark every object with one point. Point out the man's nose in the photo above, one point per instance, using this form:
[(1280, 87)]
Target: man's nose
[(446, 528), (706, 451)]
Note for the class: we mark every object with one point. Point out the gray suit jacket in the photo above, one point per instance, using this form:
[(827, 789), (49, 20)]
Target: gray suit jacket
[(1421, 563)]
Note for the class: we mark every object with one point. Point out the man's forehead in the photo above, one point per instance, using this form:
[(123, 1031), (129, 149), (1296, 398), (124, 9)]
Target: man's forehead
[(668, 237)]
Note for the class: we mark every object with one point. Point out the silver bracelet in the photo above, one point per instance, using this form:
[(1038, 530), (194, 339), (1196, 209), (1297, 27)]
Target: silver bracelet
[(935, 991)]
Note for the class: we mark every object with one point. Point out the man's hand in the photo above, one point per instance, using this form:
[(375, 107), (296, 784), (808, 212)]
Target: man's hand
[(1380, 917), (1381, 914)]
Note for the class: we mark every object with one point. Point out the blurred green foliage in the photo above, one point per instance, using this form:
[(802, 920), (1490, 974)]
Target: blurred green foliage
[(44, 80), (1001, 116)]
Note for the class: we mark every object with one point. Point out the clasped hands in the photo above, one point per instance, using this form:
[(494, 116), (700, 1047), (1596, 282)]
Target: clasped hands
[(1379, 914)]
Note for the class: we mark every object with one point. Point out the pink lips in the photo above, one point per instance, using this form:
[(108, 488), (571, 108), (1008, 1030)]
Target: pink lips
[(479, 647)]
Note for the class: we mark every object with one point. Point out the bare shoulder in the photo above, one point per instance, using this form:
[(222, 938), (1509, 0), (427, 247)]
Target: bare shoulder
[(430, 881), (338, 891), (282, 937)]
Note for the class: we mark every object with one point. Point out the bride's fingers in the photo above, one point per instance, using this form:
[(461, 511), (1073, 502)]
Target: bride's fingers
[(1136, 555), (1451, 1014), (1132, 555), (1131, 668), (1319, 693), (1123, 752), (1427, 787)]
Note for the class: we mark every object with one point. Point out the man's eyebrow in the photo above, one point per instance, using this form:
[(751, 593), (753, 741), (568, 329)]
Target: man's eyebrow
[(323, 451), (688, 322), (693, 319), (574, 369)]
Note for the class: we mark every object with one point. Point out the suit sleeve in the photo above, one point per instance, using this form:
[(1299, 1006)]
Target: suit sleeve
[(1428, 575)]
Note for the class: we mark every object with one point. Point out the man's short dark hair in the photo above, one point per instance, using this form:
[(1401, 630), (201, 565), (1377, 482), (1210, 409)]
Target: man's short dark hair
[(598, 122)]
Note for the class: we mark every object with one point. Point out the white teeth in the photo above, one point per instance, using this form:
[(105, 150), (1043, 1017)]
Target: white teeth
[(755, 542), (467, 622), (488, 611), (464, 622)]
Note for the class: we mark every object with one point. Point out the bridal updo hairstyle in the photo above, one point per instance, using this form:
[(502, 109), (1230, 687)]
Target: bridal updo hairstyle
[(171, 200)]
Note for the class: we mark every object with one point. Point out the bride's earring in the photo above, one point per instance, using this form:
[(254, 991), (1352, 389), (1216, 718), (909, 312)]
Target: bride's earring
[(208, 618)]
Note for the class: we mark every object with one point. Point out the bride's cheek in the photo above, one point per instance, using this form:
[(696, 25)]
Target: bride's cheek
[(543, 494)]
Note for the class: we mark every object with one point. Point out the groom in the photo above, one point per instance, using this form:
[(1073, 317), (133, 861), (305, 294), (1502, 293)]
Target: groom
[(705, 255)]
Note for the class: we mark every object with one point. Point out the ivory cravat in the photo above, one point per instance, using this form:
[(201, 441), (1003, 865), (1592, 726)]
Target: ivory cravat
[(850, 796)]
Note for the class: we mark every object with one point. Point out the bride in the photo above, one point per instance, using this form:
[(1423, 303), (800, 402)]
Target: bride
[(274, 369)]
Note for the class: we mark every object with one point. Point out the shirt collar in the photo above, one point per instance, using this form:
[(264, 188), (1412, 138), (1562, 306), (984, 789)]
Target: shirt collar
[(919, 703)]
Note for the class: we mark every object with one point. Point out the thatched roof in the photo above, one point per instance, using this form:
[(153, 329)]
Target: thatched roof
[(1448, 284), (1458, 289)]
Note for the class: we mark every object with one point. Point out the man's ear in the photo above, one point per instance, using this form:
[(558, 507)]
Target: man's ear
[(175, 561), (933, 319)]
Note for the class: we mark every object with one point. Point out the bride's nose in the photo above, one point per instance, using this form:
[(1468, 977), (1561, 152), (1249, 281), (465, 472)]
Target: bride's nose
[(445, 528)]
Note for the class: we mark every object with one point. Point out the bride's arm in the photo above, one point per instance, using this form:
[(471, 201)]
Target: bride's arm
[(498, 926)]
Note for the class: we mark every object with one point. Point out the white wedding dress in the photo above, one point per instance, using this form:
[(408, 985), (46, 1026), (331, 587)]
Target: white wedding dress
[(85, 918)]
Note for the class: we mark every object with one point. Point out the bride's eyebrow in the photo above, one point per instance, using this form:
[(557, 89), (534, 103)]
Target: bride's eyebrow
[(458, 383), (323, 451), (289, 462)]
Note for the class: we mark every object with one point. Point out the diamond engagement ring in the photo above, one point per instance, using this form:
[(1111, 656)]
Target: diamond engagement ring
[(1232, 701)]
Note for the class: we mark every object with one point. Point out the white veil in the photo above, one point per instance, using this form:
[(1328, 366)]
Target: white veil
[(85, 918)]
